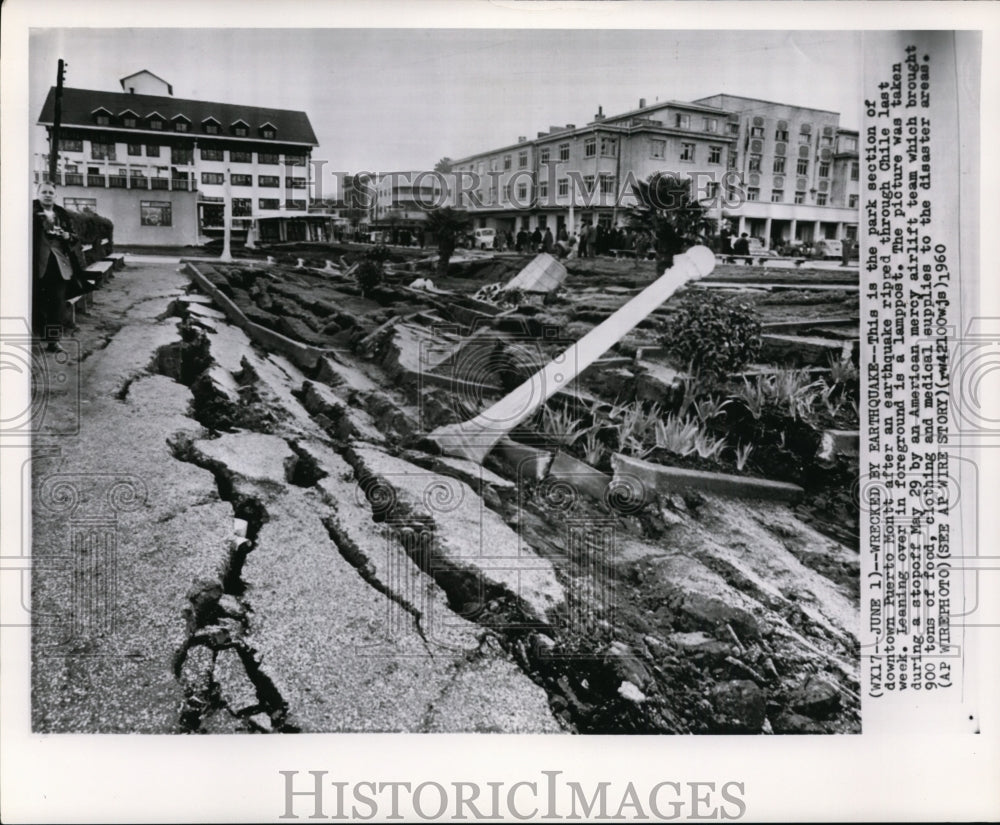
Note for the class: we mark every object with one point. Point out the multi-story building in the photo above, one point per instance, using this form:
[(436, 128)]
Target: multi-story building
[(402, 199), (157, 165), (779, 172)]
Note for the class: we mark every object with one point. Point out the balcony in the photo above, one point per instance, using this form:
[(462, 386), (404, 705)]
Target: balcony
[(121, 182)]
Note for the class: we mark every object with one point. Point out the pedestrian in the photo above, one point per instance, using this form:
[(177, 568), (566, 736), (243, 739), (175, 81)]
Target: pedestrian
[(55, 268), (742, 247), (584, 236), (591, 241), (547, 240), (536, 240)]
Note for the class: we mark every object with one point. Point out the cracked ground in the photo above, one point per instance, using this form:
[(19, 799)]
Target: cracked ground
[(227, 544)]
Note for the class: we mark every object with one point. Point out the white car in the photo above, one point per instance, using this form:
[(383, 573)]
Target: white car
[(827, 248), (484, 238)]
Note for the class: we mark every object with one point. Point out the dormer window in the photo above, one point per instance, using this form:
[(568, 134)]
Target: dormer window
[(129, 119), (102, 117), (181, 124), (267, 131), (240, 128), (210, 126), (155, 121)]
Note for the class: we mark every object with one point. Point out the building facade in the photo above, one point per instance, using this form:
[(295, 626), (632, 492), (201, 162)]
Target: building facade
[(779, 172), (163, 168)]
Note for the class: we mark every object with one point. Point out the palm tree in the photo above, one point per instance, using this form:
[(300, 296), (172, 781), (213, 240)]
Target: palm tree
[(667, 213), (447, 225)]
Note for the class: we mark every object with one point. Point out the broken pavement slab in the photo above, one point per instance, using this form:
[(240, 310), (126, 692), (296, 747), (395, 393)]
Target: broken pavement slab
[(543, 274), (660, 478)]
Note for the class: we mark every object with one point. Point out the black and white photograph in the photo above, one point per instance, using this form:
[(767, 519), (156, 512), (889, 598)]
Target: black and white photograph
[(625, 386)]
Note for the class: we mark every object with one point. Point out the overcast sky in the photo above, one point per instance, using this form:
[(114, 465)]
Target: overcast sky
[(394, 99)]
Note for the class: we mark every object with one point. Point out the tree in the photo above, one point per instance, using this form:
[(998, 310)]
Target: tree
[(447, 225), (667, 213), (443, 165)]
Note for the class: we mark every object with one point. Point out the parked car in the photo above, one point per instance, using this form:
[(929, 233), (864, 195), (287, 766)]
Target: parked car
[(757, 247), (828, 248), (483, 238)]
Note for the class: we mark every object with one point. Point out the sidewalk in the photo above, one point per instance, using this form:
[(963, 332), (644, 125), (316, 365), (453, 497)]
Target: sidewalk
[(152, 616)]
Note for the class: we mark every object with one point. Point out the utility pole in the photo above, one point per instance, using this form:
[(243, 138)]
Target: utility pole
[(227, 219), (56, 123)]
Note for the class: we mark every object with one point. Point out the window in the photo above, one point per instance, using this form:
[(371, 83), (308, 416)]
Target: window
[(102, 151), (102, 119), (135, 149), (295, 183), (180, 156), (711, 124), (849, 144), (687, 151), (754, 163), (212, 177), (242, 180), (563, 186), (300, 160), (757, 131), (152, 151), (563, 151), (851, 232), (658, 148), (712, 189), (682, 121), (821, 199), (267, 132), (753, 193), (522, 192), (70, 145), (779, 166), (269, 203), (264, 157), (129, 121), (826, 140), (506, 161), (734, 128), (240, 129), (543, 156), (156, 124), (543, 189), (81, 204), (715, 154), (155, 213), (607, 184), (241, 157), (854, 170), (852, 202), (777, 195), (590, 147), (781, 135), (805, 135), (824, 169), (242, 207), (295, 203), (181, 126), (800, 197), (609, 147), (802, 166), (212, 154), (211, 128), (522, 160), (588, 184)]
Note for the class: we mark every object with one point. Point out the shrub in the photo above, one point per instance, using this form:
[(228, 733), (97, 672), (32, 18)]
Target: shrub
[(371, 272), (713, 334)]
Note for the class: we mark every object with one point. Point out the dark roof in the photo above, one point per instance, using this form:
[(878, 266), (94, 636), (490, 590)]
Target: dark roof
[(78, 104)]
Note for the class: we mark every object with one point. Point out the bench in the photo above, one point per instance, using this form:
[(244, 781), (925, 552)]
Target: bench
[(762, 260), (118, 259), (100, 269)]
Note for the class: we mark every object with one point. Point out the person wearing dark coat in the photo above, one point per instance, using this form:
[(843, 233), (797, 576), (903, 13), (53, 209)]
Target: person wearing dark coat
[(536, 239), (742, 246), (54, 267), (547, 240)]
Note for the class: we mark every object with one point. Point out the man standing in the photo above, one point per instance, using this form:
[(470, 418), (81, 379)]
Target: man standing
[(53, 268)]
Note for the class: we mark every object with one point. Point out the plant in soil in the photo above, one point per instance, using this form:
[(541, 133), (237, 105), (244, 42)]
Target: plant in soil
[(712, 334)]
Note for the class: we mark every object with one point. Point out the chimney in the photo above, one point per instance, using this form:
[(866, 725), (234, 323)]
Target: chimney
[(600, 113), (642, 103), (521, 139), (570, 125)]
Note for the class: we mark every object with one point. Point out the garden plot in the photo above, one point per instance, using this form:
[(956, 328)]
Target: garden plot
[(683, 610)]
